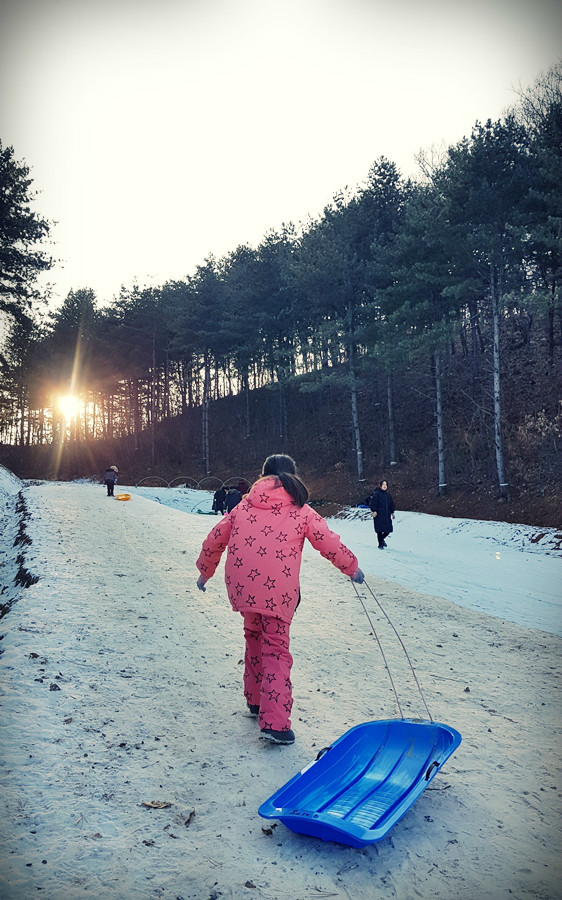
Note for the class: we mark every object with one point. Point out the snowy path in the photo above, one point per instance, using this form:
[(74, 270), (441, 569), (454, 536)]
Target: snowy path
[(114, 630), (121, 684)]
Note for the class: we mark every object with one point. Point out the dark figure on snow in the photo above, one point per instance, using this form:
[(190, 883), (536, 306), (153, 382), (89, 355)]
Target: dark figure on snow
[(233, 498), (382, 507), (110, 479), (219, 498)]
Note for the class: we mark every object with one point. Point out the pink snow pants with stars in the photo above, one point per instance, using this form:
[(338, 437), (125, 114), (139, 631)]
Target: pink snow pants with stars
[(267, 669)]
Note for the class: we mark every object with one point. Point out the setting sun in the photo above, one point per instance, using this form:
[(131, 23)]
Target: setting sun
[(69, 406)]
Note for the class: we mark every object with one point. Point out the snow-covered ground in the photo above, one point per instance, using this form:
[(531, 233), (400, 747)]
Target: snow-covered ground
[(505, 570), (128, 765)]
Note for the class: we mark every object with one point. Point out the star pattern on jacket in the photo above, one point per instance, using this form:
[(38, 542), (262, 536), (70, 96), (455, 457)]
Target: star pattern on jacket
[(265, 534)]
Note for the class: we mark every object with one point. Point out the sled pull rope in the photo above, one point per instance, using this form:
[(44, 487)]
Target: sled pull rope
[(387, 667)]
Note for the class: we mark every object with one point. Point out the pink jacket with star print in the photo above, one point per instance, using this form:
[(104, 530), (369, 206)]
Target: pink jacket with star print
[(264, 535)]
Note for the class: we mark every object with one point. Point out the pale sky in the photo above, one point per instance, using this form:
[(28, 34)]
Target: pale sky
[(160, 131)]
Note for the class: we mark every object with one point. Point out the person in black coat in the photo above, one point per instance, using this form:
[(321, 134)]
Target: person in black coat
[(382, 507), (219, 500), (110, 479), (233, 498)]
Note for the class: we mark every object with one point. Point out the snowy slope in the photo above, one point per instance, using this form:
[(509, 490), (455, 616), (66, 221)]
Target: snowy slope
[(505, 570), (121, 686)]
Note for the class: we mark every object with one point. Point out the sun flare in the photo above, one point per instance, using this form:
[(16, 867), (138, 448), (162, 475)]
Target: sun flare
[(69, 406)]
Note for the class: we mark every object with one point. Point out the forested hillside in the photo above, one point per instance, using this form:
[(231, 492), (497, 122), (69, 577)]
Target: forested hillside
[(412, 331), (319, 434)]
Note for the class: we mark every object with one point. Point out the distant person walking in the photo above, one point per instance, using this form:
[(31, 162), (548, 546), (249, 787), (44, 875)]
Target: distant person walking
[(233, 498), (382, 507), (264, 537), (110, 479), (219, 500)]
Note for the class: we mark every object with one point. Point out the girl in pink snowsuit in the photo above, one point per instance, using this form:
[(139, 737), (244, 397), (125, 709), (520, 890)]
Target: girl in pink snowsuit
[(264, 537)]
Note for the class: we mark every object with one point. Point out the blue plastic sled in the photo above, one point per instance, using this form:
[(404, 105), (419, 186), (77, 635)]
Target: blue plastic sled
[(358, 788)]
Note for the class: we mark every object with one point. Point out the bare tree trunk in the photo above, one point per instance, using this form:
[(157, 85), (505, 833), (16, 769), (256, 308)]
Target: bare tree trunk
[(354, 407), (496, 290), (391, 432), (166, 400), (282, 369), (357, 433), (152, 401), (282, 409), (136, 412), (109, 429), (205, 418), (551, 309), (247, 400), (21, 410), (474, 334), (439, 418), (182, 383), (190, 397)]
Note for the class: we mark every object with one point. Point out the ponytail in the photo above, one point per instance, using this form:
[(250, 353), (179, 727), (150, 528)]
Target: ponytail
[(284, 468)]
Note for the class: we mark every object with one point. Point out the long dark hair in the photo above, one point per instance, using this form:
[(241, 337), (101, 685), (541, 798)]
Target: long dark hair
[(285, 469)]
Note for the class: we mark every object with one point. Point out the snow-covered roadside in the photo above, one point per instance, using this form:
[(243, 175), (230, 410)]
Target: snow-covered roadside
[(491, 567), (505, 570), (10, 486), (122, 684)]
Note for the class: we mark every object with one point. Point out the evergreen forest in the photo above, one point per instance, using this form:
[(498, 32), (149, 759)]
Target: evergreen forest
[(411, 331)]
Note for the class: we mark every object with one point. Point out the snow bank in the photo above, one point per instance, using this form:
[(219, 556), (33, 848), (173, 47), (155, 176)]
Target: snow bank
[(9, 489), (9, 484)]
